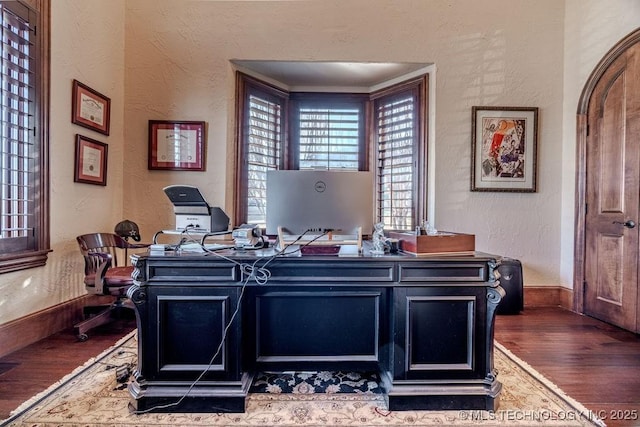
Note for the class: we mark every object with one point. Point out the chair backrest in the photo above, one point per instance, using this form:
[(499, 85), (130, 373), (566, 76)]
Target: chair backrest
[(102, 243), (100, 252)]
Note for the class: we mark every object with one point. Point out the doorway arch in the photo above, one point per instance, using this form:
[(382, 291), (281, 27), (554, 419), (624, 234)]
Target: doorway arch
[(581, 163)]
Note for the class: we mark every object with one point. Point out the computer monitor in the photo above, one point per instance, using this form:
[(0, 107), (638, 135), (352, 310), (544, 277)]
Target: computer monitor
[(301, 200)]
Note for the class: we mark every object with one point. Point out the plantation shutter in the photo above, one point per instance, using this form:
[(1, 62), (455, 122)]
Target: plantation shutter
[(383, 130), (396, 130), (329, 138), (263, 152), (18, 150)]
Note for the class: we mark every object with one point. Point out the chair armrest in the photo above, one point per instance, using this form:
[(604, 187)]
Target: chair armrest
[(138, 245), (101, 271)]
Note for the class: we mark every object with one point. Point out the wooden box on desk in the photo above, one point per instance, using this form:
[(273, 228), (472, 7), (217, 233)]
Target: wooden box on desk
[(443, 242)]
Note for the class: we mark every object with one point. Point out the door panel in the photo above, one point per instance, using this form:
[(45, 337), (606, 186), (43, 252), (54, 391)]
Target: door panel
[(612, 194), (611, 164), (610, 280)]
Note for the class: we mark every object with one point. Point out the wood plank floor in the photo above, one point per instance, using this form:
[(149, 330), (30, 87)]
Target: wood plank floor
[(34, 368), (593, 362)]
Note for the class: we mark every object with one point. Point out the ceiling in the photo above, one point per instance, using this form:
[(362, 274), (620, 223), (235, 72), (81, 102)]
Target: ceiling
[(323, 74)]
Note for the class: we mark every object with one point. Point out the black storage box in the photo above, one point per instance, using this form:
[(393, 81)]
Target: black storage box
[(511, 281)]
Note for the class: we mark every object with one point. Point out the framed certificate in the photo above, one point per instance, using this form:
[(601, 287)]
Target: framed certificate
[(176, 145), (91, 161), (90, 108)]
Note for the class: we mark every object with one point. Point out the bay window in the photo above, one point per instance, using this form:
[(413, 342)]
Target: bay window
[(383, 131)]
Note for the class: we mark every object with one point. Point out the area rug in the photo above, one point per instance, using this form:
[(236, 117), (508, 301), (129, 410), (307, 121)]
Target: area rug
[(95, 394)]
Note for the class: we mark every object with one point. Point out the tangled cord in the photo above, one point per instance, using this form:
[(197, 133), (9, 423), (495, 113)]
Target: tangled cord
[(260, 275)]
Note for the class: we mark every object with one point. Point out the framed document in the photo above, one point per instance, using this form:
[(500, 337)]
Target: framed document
[(91, 161), (504, 149), (90, 109), (176, 145)]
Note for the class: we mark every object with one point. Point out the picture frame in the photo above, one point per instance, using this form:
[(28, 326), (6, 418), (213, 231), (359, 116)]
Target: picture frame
[(90, 161), (504, 149), (176, 145), (90, 108)]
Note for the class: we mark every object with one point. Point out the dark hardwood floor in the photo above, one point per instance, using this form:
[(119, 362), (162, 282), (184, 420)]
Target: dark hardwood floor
[(32, 369), (593, 362)]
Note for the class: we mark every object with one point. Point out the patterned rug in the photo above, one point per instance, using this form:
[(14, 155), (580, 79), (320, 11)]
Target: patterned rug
[(96, 394), (317, 382)]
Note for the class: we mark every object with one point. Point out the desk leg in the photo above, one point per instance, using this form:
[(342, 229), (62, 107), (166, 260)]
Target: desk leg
[(208, 397)]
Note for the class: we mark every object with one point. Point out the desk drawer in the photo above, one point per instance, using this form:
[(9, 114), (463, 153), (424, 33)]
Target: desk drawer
[(318, 272), (192, 271), (443, 272)]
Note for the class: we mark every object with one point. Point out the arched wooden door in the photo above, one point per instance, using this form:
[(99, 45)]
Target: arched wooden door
[(609, 180)]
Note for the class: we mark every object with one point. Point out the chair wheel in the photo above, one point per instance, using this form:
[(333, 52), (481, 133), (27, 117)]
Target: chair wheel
[(83, 337)]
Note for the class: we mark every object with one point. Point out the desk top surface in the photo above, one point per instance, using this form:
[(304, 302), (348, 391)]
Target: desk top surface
[(293, 253)]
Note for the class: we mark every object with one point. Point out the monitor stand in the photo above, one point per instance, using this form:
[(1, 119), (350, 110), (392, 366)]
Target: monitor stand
[(332, 238)]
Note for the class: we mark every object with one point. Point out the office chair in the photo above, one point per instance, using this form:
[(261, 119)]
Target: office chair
[(104, 276)]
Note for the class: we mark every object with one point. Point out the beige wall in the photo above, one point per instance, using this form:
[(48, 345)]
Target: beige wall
[(169, 59), (491, 52), (87, 43)]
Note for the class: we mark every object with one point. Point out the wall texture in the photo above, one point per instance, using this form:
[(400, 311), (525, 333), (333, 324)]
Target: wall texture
[(87, 43), (487, 53), (168, 59)]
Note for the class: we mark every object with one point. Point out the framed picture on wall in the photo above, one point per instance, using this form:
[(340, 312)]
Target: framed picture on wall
[(176, 145), (90, 108), (90, 161), (504, 149)]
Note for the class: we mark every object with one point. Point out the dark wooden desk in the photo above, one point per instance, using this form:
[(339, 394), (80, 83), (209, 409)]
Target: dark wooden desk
[(425, 323)]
